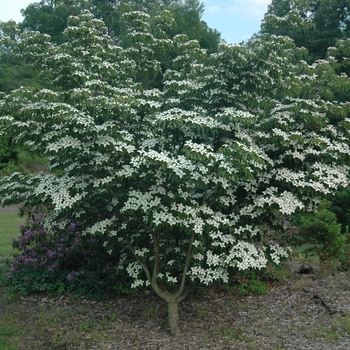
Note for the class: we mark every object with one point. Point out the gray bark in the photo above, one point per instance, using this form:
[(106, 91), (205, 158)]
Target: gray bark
[(173, 317)]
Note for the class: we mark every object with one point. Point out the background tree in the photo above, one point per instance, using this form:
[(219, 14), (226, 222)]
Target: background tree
[(187, 17), (50, 17), (322, 230), (181, 179), (327, 21), (13, 72), (340, 207)]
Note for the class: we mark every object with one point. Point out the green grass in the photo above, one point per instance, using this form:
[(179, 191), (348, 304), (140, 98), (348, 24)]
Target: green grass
[(345, 323), (5, 338), (9, 222), (26, 158), (8, 329)]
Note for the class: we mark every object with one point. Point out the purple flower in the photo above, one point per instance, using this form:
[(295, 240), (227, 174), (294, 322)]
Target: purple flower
[(51, 254), (71, 276), (53, 267), (29, 234), (72, 226), (25, 260)]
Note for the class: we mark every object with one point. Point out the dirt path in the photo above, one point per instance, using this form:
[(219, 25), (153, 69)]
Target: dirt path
[(37, 168), (11, 208)]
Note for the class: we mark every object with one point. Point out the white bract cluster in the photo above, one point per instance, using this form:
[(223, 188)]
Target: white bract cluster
[(278, 252)]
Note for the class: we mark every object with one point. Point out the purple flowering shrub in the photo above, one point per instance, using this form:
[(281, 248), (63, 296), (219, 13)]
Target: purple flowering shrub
[(62, 260)]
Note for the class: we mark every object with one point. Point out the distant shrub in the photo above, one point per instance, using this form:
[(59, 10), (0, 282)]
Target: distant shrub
[(341, 208), (7, 152), (322, 230), (253, 287), (345, 259)]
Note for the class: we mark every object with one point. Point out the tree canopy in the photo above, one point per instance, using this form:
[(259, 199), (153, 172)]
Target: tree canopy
[(184, 179)]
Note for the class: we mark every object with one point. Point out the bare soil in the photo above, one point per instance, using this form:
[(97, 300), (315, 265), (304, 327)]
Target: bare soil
[(306, 312)]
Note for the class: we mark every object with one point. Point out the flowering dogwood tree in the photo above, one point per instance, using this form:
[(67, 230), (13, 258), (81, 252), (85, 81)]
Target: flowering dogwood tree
[(181, 179)]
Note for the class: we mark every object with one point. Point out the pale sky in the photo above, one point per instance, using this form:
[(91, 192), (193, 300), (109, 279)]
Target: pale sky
[(236, 20)]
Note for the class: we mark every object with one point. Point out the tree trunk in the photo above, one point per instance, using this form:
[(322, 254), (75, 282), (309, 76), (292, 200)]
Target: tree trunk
[(173, 316)]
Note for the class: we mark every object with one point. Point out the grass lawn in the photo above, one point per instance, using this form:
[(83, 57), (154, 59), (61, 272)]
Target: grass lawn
[(7, 330), (26, 158), (9, 222)]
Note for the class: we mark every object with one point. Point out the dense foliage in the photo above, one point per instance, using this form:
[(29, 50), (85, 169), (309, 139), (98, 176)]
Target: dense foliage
[(7, 153), (340, 207), (13, 74), (322, 232), (322, 27)]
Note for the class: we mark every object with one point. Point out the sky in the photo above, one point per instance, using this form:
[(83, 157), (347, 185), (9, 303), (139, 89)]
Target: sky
[(236, 20)]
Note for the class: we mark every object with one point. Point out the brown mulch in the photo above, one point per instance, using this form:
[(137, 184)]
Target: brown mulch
[(307, 312)]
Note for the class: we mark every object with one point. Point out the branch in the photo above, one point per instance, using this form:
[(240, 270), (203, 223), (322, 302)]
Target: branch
[(179, 293), (156, 257)]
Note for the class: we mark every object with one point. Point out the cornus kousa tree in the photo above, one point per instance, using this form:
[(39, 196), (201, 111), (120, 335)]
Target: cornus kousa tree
[(183, 179)]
